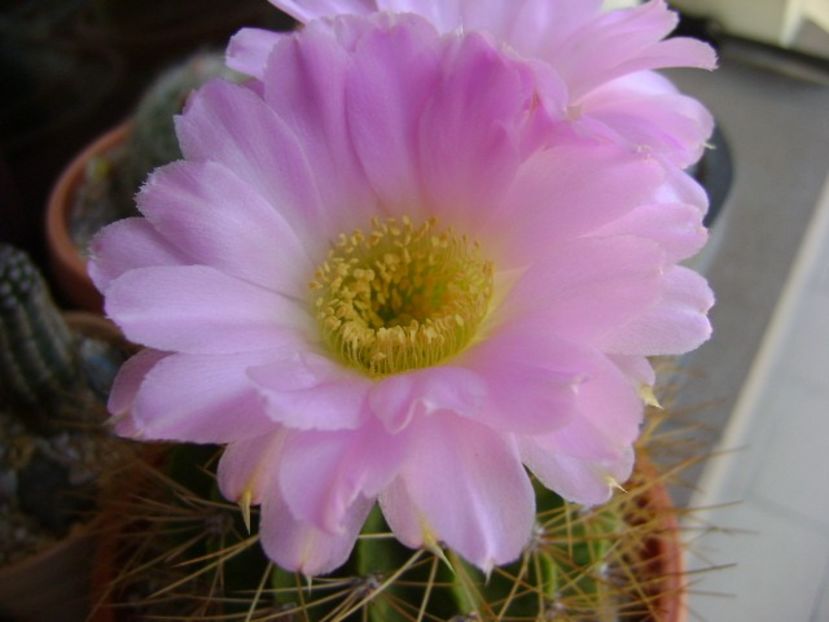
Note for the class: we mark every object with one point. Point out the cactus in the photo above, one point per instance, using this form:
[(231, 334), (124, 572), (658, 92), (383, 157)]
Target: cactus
[(112, 179), (38, 358), (53, 447), (185, 554)]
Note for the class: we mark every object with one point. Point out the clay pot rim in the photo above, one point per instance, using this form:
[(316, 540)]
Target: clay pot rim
[(670, 556), (78, 531), (68, 265)]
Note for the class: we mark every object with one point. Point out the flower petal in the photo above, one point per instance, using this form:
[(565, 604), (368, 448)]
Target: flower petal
[(675, 324), (305, 86), (622, 42), (589, 287), (398, 399), (125, 388), (530, 375), (346, 465), (310, 392), (249, 49), (637, 368), (220, 221), (586, 481), (583, 459), (645, 111), (299, 546), (201, 399), (230, 124), (305, 11), (403, 516), (472, 128), (200, 310), (126, 245), (549, 197), (393, 74), (676, 227), (468, 484), (248, 466)]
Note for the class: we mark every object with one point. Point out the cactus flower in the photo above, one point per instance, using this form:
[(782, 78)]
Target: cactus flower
[(383, 272), (603, 61)]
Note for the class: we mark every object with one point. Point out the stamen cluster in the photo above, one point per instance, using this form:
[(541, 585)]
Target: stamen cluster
[(402, 296)]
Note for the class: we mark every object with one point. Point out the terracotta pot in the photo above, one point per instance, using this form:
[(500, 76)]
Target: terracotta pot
[(54, 583), (665, 549), (67, 263)]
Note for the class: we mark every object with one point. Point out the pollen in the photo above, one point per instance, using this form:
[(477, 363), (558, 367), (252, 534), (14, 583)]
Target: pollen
[(401, 296)]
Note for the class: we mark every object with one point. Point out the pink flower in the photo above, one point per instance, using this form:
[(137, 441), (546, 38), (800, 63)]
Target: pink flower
[(381, 272), (602, 60)]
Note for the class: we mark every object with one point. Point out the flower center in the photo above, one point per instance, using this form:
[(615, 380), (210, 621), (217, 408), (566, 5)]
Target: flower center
[(401, 296)]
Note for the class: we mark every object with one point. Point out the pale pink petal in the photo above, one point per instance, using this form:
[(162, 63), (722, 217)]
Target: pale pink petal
[(311, 392), (398, 399), (248, 466), (305, 85), (446, 15), (299, 546), (566, 192), (249, 49), (470, 488), (220, 221), (623, 42), (676, 227), (529, 26), (666, 124), (305, 11), (198, 309), (126, 245), (589, 482), (609, 401), (125, 387), (583, 459), (230, 124), (201, 399), (393, 74), (588, 287), (347, 465), (402, 515), (531, 378), (676, 52), (472, 129), (680, 187), (675, 324), (637, 368)]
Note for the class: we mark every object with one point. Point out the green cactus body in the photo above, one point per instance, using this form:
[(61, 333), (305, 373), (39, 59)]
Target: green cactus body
[(581, 566), (38, 362)]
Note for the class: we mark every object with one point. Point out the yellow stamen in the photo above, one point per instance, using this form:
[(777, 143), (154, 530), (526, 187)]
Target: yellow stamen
[(402, 296)]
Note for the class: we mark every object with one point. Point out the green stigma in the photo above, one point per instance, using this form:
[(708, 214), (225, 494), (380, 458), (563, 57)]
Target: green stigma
[(401, 296)]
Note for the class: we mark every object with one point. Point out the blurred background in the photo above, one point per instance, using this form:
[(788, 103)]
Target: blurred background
[(70, 70)]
